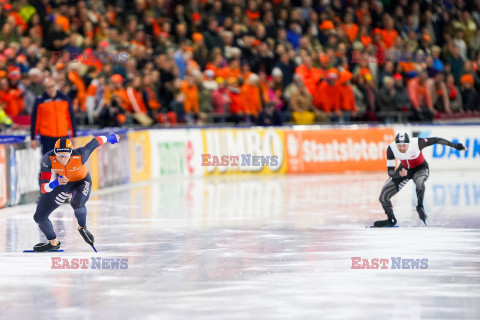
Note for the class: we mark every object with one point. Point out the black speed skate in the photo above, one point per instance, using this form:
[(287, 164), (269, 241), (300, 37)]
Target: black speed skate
[(87, 236), (42, 247), (421, 214), (390, 222)]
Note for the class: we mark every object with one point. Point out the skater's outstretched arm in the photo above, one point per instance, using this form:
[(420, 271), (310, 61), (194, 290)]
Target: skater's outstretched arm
[(87, 150), (422, 143)]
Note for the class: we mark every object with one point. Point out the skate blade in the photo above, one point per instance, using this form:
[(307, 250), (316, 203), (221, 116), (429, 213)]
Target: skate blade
[(28, 251)]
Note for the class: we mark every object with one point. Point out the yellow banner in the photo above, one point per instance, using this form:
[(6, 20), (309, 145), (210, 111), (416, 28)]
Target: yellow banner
[(140, 157), (240, 151)]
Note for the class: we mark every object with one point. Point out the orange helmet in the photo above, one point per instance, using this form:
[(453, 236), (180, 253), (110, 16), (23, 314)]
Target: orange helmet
[(63, 145)]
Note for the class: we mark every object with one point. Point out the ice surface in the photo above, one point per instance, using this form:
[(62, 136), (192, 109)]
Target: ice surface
[(269, 247)]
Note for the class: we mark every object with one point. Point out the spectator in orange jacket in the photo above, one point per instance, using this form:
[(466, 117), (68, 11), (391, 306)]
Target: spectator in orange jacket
[(11, 95), (252, 95), (350, 28), (327, 97), (52, 117), (420, 98), (389, 34), (77, 81), (135, 96), (119, 93), (347, 99), (237, 101), (190, 89), (310, 76)]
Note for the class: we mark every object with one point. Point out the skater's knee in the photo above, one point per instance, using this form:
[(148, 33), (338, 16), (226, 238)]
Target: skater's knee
[(420, 184), (80, 209), (383, 200), (38, 217), (76, 204)]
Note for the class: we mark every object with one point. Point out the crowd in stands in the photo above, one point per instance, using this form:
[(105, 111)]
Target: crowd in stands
[(255, 61)]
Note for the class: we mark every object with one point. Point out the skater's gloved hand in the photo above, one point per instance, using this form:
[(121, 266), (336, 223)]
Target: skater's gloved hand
[(460, 146), (113, 138), (57, 182), (403, 172), (62, 180)]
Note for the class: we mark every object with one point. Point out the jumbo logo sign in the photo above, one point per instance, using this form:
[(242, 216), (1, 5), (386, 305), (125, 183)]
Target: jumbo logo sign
[(240, 144)]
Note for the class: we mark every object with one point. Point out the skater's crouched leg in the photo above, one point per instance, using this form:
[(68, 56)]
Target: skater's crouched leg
[(388, 191), (80, 197), (45, 207)]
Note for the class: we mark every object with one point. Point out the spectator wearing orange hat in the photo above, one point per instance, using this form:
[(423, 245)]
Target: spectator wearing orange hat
[(368, 89), (112, 104), (347, 99), (326, 28), (328, 97), (63, 22), (16, 105), (56, 38), (117, 92), (402, 101), (200, 51), (324, 64), (470, 98)]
